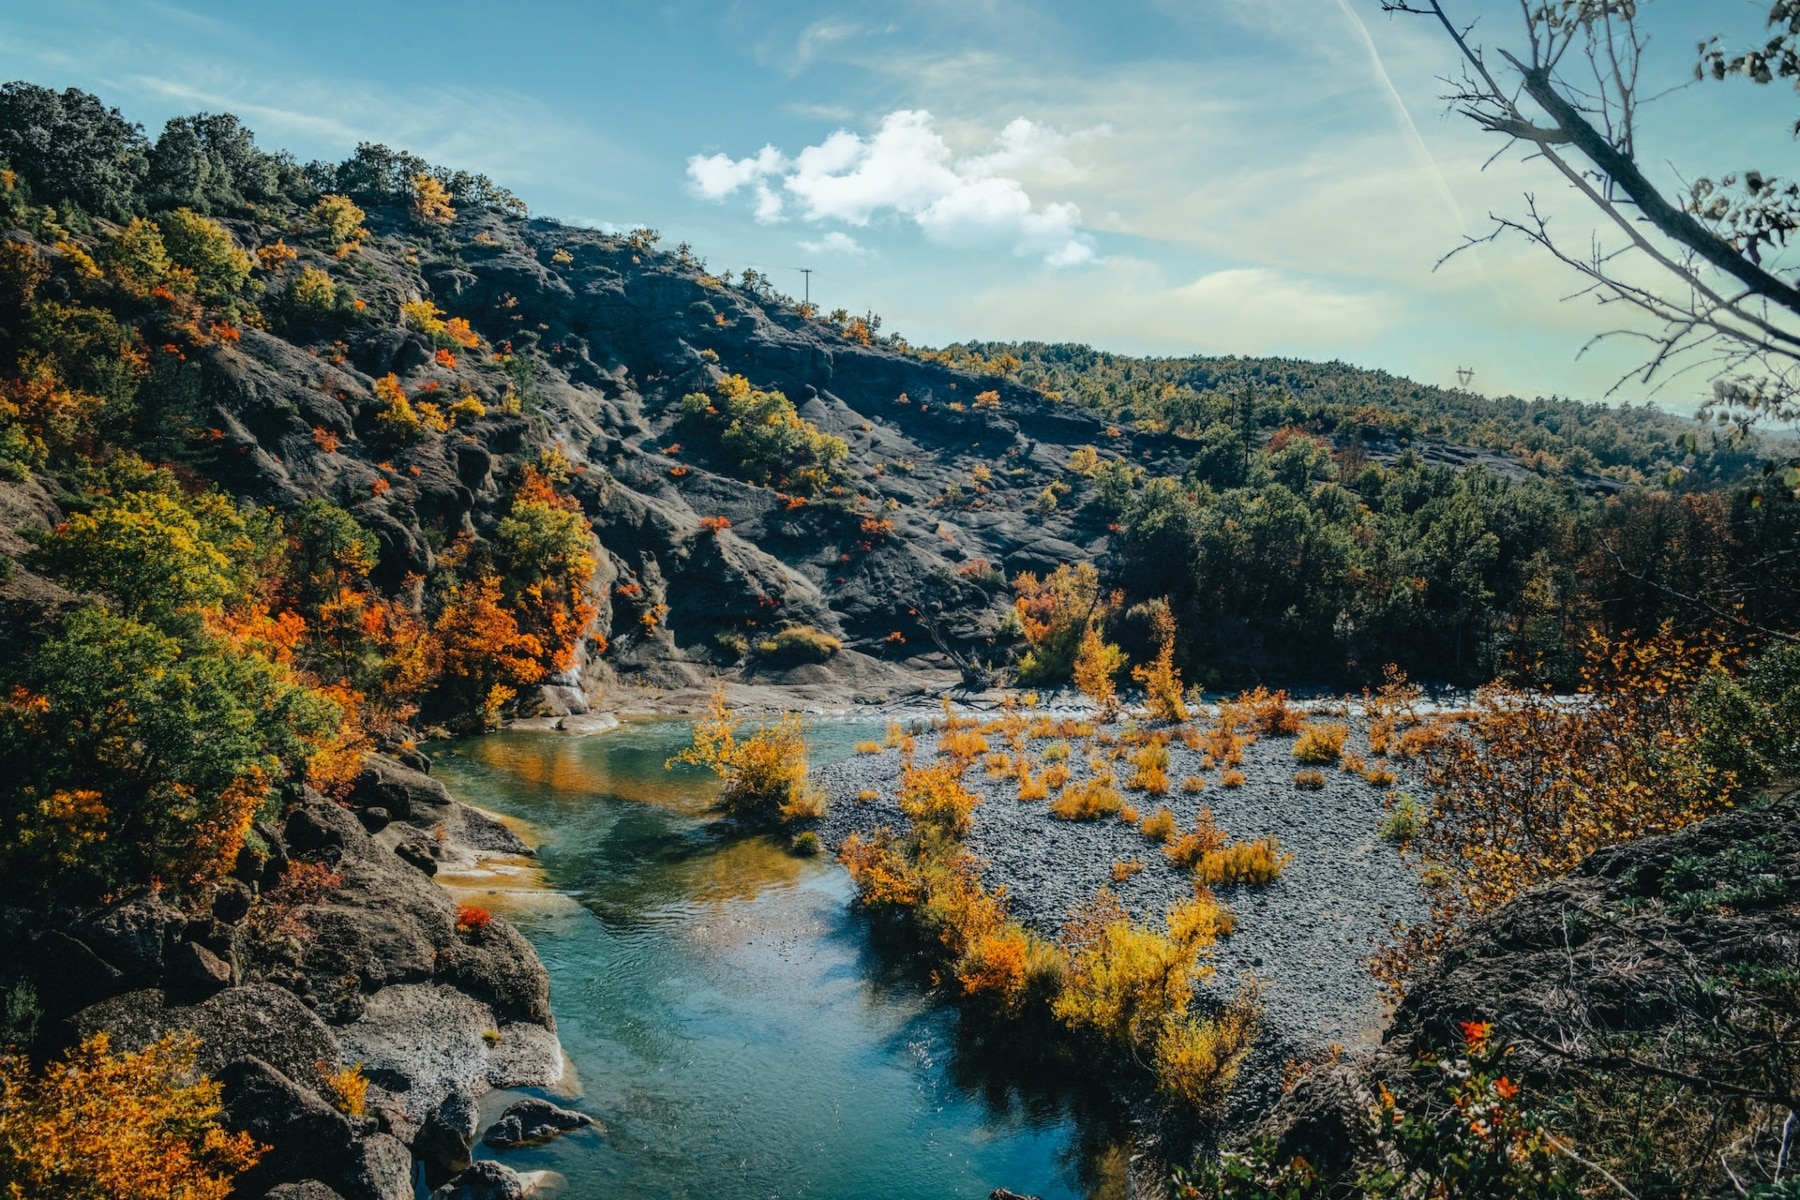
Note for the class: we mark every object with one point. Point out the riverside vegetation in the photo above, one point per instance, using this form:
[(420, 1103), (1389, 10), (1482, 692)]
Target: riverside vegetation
[(301, 463)]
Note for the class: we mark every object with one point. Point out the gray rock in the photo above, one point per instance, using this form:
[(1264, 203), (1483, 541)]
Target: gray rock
[(134, 936), (380, 1169), (532, 1123), (446, 1141), (259, 1021), (306, 1137), (71, 976), (194, 973), (306, 1189), (485, 1181), (375, 819), (405, 793)]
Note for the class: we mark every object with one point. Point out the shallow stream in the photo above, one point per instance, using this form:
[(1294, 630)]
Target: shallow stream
[(725, 1016)]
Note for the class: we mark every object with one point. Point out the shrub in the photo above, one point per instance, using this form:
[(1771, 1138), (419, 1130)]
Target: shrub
[(1097, 661), (1089, 800), (1056, 752), (1197, 1061), (1190, 848), (1124, 869), (1054, 615), (1149, 770), (431, 201), (764, 774), (1256, 863), (1033, 789), (1193, 785), (313, 295), (772, 443), (1125, 982), (1056, 776), (867, 796), (961, 744), (1269, 712), (347, 1088), (1380, 775), (470, 919), (1159, 826), (1403, 820), (128, 1126), (715, 524), (868, 747), (1310, 781), (1232, 779), (1352, 763), (1321, 744), (1128, 814), (806, 844), (935, 800), (799, 644)]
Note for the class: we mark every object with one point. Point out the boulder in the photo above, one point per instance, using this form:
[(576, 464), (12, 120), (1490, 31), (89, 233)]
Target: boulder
[(70, 976), (194, 973), (375, 819), (497, 964), (485, 1181), (232, 904), (380, 1169), (532, 1123), (306, 1189), (446, 1141), (406, 794), (258, 1021), (134, 936), (306, 1137)]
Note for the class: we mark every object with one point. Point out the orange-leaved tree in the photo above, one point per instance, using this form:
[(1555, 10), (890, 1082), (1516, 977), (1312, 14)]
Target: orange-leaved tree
[(97, 1125), (1535, 782)]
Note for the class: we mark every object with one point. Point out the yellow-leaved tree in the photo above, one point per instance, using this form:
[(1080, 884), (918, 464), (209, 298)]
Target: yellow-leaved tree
[(129, 1126)]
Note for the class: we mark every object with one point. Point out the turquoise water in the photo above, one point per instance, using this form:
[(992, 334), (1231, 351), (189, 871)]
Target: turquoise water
[(725, 1015)]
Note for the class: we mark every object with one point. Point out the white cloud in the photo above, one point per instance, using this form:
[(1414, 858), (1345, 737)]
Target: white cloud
[(907, 169), (836, 242)]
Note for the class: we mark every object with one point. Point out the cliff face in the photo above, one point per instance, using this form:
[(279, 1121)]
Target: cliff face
[(614, 337)]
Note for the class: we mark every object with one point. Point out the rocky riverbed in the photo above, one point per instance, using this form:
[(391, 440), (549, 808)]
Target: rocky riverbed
[(1303, 937)]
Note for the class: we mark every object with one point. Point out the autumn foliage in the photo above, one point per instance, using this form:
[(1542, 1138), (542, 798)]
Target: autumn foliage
[(764, 774), (97, 1125)]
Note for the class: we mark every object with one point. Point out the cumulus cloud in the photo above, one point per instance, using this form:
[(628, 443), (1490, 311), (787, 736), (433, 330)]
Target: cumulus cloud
[(836, 242), (907, 169)]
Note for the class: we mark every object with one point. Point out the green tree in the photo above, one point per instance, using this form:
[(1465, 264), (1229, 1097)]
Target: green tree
[(204, 247)]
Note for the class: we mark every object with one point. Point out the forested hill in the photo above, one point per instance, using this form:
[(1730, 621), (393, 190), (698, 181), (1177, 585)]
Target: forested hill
[(1623, 443), (375, 422)]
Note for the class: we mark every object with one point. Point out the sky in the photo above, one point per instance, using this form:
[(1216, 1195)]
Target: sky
[(1241, 177)]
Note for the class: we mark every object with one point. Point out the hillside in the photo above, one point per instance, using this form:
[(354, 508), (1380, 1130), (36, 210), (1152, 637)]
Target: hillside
[(1385, 522)]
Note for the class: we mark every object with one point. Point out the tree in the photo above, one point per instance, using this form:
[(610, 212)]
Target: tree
[(431, 201), (205, 247), (1698, 265), (210, 162), (69, 147), (136, 1125)]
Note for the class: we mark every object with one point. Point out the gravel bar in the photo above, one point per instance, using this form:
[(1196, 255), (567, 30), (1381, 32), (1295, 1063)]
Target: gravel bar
[(1304, 937)]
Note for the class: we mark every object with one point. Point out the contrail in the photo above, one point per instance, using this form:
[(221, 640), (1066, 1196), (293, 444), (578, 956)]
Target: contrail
[(1419, 145), (1400, 109)]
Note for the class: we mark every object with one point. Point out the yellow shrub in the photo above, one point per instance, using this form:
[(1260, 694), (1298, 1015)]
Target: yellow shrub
[(868, 747), (1232, 779), (1162, 682), (1056, 752), (1379, 774), (1125, 982), (1353, 763), (1193, 784), (894, 736), (934, 798), (1033, 789), (961, 744), (1310, 781), (1056, 776), (1321, 744), (347, 1088), (1128, 814), (1089, 800), (129, 1126), (764, 774), (1197, 1061), (999, 766), (867, 796), (1149, 770), (1123, 869), (1257, 863)]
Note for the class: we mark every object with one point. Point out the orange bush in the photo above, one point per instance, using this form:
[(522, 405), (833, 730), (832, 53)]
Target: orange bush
[(1269, 712), (130, 1126), (470, 919)]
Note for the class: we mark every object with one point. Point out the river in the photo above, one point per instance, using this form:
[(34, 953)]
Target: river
[(725, 1015)]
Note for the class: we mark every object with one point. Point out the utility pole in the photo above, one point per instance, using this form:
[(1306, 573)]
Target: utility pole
[(1464, 375), (807, 271)]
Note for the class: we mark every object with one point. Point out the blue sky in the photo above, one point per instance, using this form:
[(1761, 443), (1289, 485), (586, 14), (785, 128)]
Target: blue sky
[(1149, 176)]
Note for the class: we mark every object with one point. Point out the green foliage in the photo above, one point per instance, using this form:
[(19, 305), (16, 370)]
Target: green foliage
[(132, 754), (210, 163), (70, 148), (156, 554), (770, 441), (204, 246)]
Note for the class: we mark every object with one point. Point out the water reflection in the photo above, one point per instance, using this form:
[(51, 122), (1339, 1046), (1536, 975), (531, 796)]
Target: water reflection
[(738, 1030)]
